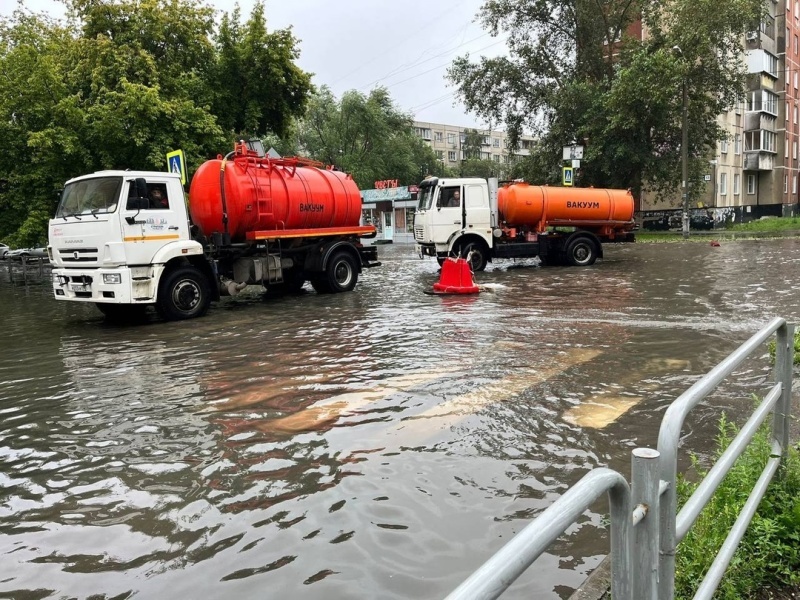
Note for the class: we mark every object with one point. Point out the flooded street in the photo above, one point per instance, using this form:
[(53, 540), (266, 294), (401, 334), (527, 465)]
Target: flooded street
[(376, 444)]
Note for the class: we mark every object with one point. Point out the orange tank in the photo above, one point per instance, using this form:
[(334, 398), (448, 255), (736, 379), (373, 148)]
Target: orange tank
[(536, 206), (267, 194)]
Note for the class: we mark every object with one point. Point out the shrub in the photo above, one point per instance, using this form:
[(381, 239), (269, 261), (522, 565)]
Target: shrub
[(769, 553)]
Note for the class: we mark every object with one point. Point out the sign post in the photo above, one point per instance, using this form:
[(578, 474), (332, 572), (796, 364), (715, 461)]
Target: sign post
[(176, 163), (572, 155)]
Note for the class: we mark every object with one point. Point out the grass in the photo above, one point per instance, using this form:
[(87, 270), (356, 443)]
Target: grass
[(796, 349), (769, 553), (775, 225)]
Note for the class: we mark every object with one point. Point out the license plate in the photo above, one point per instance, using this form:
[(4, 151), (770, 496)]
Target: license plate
[(79, 287)]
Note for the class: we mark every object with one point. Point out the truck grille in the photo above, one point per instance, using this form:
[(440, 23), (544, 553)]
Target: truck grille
[(78, 255), (419, 233)]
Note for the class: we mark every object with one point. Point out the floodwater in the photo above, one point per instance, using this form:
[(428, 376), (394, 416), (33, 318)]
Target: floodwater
[(376, 444)]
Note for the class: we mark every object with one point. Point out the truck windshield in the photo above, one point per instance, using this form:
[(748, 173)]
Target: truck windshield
[(425, 197), (90, 196)]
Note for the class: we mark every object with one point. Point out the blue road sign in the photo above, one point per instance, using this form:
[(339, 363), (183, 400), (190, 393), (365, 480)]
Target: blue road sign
[(567, 176), (176, 163)]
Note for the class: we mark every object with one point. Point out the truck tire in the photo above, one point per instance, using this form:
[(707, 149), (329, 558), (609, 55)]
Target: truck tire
[(341, 274), (581, 252), (478, 259), (121, 314), (183, 294)]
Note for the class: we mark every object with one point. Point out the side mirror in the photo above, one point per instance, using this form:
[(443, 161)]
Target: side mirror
[(141, 187)]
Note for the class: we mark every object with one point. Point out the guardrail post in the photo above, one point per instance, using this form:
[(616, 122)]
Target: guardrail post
[(784, 361), (644, 537)]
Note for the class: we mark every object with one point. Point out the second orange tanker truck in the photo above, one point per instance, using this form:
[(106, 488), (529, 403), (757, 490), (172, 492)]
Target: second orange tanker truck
[(478, 220)]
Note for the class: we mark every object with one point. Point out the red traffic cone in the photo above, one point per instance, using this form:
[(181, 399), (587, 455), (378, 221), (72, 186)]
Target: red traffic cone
[(456, 278)]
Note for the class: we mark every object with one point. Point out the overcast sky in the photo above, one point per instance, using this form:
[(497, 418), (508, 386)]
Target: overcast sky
[(405, 46)]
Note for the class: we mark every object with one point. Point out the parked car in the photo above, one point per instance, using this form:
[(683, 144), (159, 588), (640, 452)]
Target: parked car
[(27, 253), (4, 250)]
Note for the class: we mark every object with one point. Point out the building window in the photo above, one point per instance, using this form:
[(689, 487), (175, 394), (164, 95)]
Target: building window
[(794, 184), (751, 184), (759, 140), (723, 184), (451, 138), (496, 158), (423, 132), (785, 184), (438, 136), (795, 80), (764, 101), (795, 44), (723, 146), (440, 154), (495, 142), (787, 111), (795, 115), (737, 144), (451, 156), (794, 149), (786, 148), (737, 184)]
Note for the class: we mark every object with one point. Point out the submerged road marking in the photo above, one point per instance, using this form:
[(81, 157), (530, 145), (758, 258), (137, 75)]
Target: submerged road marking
[(597, 412), (600, 411), (331, 409), (452, 411)]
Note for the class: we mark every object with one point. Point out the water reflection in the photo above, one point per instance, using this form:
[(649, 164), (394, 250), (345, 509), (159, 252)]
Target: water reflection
[(376, 444)]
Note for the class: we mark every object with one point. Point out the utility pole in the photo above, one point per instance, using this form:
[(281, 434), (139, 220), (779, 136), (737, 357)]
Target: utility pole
[(684, 147), (685, 158)]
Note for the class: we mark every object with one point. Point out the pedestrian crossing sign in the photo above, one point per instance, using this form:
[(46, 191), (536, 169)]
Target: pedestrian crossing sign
[(567, 176), (176, 163)]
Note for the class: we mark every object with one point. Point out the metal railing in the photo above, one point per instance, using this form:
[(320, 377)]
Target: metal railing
[(643, 517)]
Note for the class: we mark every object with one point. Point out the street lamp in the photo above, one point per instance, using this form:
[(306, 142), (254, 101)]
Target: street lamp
[(684, 150)]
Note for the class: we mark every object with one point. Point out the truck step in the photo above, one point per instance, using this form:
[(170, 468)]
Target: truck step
[(141, 278), (141, 299)]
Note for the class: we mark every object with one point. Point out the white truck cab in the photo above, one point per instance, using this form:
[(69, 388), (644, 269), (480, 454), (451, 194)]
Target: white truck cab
[(112, 234), (453, 217)]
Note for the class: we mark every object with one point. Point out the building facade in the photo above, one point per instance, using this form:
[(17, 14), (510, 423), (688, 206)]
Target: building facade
[(753, 172), (449, 143)]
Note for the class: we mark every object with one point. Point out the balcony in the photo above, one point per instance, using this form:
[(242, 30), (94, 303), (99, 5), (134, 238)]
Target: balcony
[(758, 161)]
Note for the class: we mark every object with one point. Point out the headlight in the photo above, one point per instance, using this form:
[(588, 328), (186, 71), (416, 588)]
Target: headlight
[(112, 278)]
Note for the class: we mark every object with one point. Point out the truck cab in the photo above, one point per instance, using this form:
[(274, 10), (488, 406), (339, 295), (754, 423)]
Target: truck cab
[(114, 232), (453, 218)]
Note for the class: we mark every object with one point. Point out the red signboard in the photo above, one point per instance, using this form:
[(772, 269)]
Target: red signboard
[(386, 183)]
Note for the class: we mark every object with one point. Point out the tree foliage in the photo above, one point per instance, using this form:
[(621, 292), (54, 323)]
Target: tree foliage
[(366, 135), (259, 87), (573, 74), (119, 83)]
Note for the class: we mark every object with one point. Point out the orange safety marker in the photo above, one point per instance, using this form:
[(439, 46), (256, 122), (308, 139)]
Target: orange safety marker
[(456, 278)]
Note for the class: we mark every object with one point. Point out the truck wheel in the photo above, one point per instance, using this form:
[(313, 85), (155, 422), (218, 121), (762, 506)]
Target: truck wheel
[(121, 314), (477, 261), (581, 252), (183, 294), (342, 274)]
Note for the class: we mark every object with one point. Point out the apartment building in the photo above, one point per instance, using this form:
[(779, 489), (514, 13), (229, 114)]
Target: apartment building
[(449, 143), (753, 173)]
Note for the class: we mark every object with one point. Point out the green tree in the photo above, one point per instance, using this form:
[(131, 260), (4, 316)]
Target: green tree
[(120, 83), (259, 89), (367, 136), (572, 74)]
